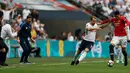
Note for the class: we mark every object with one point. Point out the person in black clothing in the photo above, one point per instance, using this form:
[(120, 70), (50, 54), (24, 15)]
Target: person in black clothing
[(34, 14), (24, 34), (35, 49), (3, 46)]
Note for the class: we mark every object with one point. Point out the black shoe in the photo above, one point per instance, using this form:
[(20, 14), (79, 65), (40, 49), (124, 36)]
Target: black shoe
[(4, 64), (72, 63), (77, 62)]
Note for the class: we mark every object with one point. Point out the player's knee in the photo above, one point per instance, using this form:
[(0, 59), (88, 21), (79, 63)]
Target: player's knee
[(123, 48), (86, 49), (79, 51), (112, 43)]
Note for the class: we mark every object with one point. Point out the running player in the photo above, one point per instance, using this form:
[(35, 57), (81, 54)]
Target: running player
[(88, 41), (120, 35)]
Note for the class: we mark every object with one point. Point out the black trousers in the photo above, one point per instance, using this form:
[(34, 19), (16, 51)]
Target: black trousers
[(3, 54), (36, 50), (26, 49)]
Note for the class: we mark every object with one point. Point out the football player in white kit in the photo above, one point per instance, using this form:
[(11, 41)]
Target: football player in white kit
[(87, 42)]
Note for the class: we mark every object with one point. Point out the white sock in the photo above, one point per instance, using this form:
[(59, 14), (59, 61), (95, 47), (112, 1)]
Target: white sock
[(83, 55), (118, 56), (122, 57)]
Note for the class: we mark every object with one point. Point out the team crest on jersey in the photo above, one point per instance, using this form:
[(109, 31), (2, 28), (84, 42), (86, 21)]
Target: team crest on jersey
[(117, 23)]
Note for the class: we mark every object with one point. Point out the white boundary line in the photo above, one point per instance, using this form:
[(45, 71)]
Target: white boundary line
[(57, 64)]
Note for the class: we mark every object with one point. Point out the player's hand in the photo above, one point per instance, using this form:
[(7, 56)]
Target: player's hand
[(18, 40), (32, 40), (3, 50), (17, 28)]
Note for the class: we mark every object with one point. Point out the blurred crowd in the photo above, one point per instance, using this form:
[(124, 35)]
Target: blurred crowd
[(13, 12), (104, 8), (10, 10)]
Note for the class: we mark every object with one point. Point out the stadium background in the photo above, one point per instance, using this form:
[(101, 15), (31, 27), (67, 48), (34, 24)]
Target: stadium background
[(57, 54)]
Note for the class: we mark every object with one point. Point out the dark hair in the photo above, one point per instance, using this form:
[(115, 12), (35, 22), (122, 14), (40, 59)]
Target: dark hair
[(1, 13), (91, 18), (29, 16), (117, 12)]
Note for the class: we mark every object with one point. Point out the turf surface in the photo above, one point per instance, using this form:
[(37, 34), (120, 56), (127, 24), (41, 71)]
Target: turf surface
[(62, 65)]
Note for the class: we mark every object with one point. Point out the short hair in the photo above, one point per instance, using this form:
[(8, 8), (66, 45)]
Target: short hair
[(12, 21), (1, 13), (29, 16), (92, 17), (116, 12)]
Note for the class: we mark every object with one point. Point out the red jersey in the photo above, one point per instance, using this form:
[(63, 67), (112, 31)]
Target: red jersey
[(119, 24)]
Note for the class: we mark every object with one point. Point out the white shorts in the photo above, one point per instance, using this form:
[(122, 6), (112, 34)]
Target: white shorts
[(119, 40)]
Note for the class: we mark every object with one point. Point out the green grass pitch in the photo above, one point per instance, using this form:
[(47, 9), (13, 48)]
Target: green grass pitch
[(62, 65)]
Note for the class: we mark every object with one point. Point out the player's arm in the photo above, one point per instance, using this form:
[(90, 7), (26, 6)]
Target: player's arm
[(91, 28), (126, 21), (17, 39), (103, 26), (10, 33), (96, 28), (14, 8), (107, 21), (1, 8)]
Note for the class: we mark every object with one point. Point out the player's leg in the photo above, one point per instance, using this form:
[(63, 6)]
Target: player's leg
[(124, 45), (75, 56), (88, 46), (78, 52), (24, 51), (3, 54), (28, 51), (125, 56), (120, 57), (114, 42), (116, 50), (83, 55)]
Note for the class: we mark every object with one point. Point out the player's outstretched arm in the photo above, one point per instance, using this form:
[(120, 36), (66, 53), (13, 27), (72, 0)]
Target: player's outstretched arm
[(103, 26), (96, 28)]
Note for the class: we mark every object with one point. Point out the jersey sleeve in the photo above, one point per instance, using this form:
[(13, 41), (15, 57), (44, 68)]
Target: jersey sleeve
[(127, 23), (87, 25), (10, 33), (105, 21)]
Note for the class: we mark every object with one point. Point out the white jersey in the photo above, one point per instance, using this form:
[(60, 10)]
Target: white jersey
[(26, 12), (90, 35), (6, 32), (6, 15)]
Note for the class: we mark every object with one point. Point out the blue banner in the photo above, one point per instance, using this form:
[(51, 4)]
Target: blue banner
[(59, 48)]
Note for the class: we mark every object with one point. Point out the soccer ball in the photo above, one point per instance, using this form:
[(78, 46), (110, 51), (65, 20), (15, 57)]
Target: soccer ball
[(110, 63)]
